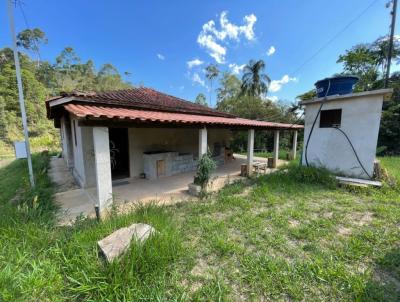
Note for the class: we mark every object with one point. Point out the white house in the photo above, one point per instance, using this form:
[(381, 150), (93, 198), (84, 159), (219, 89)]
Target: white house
[(141, 132), (345, 132)]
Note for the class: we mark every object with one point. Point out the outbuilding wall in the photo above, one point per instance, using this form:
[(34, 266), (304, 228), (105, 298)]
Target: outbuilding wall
[(329, 148)]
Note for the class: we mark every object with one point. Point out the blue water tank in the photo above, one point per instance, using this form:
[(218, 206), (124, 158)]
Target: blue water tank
[(336, 85)]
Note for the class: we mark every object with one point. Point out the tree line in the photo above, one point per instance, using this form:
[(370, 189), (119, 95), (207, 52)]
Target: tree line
[(246, 97), (368, 61), (41, 80)]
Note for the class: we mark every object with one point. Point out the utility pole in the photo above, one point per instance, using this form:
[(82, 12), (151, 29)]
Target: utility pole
[(20, 91), (390, 50)]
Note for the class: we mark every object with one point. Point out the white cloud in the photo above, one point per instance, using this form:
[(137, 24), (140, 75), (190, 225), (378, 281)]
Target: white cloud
[(276, 85), (236, 69), (193, 63), (271, 51), (160, 56), (196, 79), (273, 98), (214, 49), (212, 39), (181, 88)]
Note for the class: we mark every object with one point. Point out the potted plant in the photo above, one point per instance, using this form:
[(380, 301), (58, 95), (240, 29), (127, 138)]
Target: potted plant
[(203, 174)]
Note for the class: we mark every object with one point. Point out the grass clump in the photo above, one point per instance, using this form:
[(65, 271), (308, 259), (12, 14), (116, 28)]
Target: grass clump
[(310, 175)]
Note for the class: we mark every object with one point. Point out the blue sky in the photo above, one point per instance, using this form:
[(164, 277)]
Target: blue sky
[(155, 40)]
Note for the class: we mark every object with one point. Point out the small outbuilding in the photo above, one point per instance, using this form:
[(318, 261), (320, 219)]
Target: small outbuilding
[(143, 133), (344, 132)]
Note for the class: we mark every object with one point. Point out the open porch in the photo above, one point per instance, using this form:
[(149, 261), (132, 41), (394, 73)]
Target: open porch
[(127, 193)]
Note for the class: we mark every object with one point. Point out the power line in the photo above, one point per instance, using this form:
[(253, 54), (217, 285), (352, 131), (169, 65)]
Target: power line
[(28, 27), (334, 37)]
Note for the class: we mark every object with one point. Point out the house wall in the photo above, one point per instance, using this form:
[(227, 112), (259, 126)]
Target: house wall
[(83, 154), (329, 148), (66, 141), (175, 139), (140, 140)]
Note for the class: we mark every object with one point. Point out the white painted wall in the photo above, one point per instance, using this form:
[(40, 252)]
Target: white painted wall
[(140, 140), (83, 154), (102, 166), (360, 121), (64, 144), (173, 139)]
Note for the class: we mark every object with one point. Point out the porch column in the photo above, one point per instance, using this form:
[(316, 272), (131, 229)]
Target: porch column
[(250, 151), (202, 141), (103, 167), (294, 145), (276, 148)]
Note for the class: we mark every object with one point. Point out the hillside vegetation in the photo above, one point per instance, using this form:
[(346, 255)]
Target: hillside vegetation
[(41, 80)]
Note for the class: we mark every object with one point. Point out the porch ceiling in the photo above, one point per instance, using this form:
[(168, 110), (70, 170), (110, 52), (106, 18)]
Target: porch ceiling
[(103, 113)]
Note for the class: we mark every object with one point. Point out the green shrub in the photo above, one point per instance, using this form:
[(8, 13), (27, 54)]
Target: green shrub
[(204, 170)]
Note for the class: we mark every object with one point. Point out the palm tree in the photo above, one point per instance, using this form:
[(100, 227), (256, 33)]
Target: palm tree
[(254, 82), (211, 73)]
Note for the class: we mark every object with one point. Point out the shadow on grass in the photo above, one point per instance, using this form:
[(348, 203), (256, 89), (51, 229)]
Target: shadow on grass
[(384, 284)]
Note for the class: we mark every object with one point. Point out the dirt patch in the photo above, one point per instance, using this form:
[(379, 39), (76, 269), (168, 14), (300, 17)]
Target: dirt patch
[(327, 215), (293, 223), (245, 192), (343, 231), (201, 269), (364, 219)]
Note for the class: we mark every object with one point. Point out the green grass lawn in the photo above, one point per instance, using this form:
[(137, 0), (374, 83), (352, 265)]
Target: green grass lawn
[(292, 235)]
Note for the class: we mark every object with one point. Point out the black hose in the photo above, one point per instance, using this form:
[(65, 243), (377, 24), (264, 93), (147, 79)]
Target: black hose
[(309, 135), (313, 125), (354, 150)]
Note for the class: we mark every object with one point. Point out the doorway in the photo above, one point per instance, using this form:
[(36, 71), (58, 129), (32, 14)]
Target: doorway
[(119, 152)]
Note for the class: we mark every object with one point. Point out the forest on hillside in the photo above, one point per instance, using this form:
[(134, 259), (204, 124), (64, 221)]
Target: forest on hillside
[(42, 80)]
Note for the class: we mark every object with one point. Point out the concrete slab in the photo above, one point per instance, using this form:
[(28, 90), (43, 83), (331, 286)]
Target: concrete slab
[(72, 204), (358, 182), (118, 242), (127, 193), (172, 189), (60, 175)]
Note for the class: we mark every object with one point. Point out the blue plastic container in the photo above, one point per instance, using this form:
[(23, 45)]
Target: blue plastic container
[(336, 85)]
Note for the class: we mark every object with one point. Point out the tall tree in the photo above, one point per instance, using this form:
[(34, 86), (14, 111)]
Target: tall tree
[(229, 87), (368, 61), (212, 72), (31, 39), (201, 99), (254, 81)]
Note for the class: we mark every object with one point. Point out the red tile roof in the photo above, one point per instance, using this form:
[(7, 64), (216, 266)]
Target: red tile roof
[(142, 116), (140, 98)]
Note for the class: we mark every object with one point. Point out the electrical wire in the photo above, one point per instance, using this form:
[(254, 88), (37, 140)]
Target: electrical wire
[(28, 27), (333, 38), (354, 150)]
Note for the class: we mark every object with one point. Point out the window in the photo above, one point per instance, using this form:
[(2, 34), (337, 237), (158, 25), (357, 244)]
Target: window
[(330, 118)]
